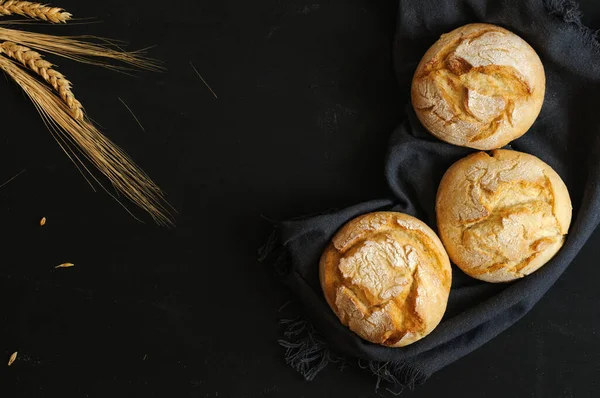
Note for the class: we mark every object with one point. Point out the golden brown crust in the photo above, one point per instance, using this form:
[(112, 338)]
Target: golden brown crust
[(479, 86), (503, 216), (387, 277)]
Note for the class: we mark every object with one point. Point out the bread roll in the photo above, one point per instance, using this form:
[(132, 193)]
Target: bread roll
[(479, 86), (503, 216), (387, 277)]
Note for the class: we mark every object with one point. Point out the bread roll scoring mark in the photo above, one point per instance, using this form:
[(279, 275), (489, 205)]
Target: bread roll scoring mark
[(458, 66), (476, 85), (387, 277), (382, 267), (497, 214), (376, 325)]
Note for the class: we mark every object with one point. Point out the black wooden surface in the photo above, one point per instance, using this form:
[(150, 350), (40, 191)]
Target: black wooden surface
[(306, 102)]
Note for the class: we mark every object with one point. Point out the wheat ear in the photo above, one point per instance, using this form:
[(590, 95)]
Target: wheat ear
[(34, 61), (81, 139), (34, 10)]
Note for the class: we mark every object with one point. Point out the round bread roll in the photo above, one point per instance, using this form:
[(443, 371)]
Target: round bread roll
[(479, 86), (503, 216), (387, 277)]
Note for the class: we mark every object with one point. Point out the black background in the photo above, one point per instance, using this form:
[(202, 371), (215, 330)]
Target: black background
[(306, 102)]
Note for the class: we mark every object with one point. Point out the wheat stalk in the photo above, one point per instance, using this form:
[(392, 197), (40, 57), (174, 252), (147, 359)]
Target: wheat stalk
[(81, 138), (81, 141), (34, 61), (80, 50), (34, 10)]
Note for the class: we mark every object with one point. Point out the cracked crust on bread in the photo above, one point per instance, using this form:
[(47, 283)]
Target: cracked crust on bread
[(502, 216), (387, 277), (479, 86)]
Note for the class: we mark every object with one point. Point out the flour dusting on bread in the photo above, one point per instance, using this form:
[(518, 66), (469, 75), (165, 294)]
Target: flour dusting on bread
[(387, 277), (479, 86), (502, 216)]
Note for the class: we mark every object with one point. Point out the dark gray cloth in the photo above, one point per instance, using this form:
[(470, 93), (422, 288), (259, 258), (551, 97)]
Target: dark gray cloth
[(566, 135)]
